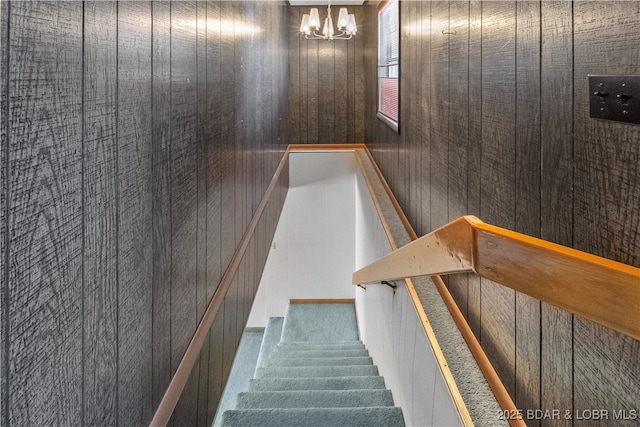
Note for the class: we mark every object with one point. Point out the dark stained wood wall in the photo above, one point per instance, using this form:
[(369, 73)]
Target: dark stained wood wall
[(326, 84), (494, 122), (137, 141)]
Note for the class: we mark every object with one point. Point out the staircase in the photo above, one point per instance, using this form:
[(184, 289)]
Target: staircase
[(319, 374)]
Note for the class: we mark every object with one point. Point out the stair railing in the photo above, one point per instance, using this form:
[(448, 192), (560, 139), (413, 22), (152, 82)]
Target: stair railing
[(601, 290)]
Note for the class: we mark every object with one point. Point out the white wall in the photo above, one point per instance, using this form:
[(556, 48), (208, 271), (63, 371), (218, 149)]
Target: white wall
[(313, 252), (391, 329)]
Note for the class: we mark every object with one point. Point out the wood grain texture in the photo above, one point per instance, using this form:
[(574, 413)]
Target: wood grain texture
[(100, 199), (474, 172), (297, 91), (556, 377), (4, 217), (359, 78), (45, 305), (409, 83), (498, 175), (458, 169), (606, 200), (527, 210), (161, 204), (184, 193), (227, 137), (423, 224), (213, 148), (439, 118), (135, 214), (200, 371)]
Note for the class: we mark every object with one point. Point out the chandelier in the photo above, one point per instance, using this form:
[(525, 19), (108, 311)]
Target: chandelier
[(311, 24)]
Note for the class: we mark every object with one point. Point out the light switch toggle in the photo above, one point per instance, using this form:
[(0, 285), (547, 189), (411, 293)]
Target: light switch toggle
[(624, 97)]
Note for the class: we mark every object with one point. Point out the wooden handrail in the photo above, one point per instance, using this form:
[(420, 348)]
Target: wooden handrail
[(601, 290)]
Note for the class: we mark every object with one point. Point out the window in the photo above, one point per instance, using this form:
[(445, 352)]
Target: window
[(389, 63)]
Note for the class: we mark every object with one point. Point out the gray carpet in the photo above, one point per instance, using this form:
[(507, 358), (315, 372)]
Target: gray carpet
[(242, 371), (320, 322), (318, 375)]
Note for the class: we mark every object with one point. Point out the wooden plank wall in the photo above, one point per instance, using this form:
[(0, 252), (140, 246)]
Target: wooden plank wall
[(326, 84), (497, 116), (137, 139)]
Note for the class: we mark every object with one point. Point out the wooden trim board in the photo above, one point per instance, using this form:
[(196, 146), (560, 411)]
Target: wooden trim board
[(323, 301)]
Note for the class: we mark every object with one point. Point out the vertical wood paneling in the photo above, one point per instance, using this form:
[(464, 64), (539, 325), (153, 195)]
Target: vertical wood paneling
[(474, 172), (227, 134), (439, 117), (412, 86), (359, 77), (100, 172), (458, 169), (4, 218), (184, 192), (213, 148), (297, 54), (212, 153), (303, 93), (606, 200), (45, 265), (326, 86), (424, 223), (161, 204), (135, 214), (200, 370), (527, 214), (401, 181), (498, 175), (313, 90), (326, 83), (220, 345), (556, 376), (242, 98), (351, 85), (340, 90)]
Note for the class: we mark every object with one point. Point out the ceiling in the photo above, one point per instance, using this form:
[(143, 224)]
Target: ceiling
[(325, 2)]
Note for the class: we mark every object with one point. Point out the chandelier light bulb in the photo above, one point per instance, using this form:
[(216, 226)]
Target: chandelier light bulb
[(314, 18), (343, 18), (352, 28), (304, 26)]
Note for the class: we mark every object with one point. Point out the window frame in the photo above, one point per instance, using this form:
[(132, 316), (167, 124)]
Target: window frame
[(389, 121)]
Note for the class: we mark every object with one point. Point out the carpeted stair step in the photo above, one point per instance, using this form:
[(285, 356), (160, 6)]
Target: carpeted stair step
[(319, 374), (318, 361), (280, 353), (314, 417), (320, 322), (270, 340), (304, 346), (314, 399), (316, 371), (321, 383)]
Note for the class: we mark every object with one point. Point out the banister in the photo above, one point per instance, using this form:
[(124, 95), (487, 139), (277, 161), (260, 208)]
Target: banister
[(601, 290)]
